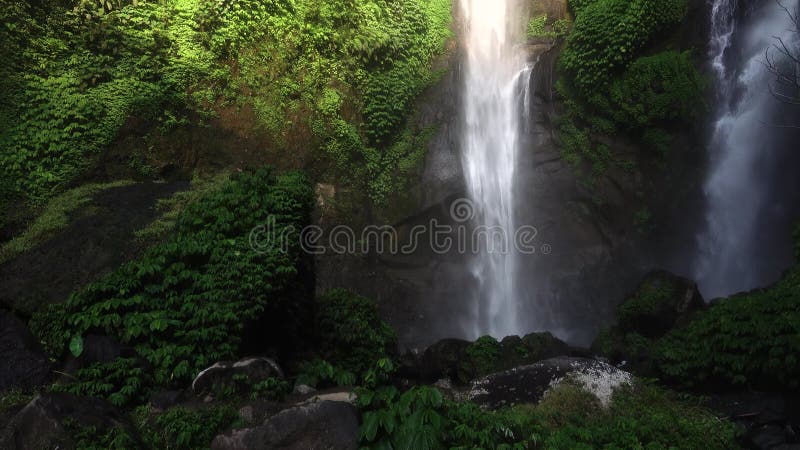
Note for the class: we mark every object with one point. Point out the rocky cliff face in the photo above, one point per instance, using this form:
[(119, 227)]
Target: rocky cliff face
[(592, 244)]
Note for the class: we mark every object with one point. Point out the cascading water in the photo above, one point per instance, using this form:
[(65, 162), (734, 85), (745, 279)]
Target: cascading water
[(496, 76), (745, 154)]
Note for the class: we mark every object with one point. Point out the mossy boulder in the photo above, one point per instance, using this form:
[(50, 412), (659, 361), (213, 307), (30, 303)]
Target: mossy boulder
[(662, 302)]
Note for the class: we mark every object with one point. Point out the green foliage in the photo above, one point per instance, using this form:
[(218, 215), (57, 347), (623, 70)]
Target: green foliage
[(271, 389), (609, 33), (641, 417), (482, 358), (122, 381), (750, 339), (656, 89), (13, 398), (421, 418), (83, 73), (53, 218), (184, 304), (609, 88), (185, 429), (352, 335), (320, 373), (75, 74), (647, 302), (92, 438), (538, 28), (172, 207)]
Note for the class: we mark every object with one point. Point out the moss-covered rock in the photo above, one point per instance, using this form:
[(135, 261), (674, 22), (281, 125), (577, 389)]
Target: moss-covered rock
[(662, 302)]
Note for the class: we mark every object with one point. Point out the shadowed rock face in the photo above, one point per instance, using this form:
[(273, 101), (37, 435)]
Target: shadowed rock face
[(43, 422), (314, 426), (98, 239), (24, 364)]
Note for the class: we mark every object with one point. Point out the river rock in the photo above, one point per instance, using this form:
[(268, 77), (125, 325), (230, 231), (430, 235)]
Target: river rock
[(24, 363), (225, 372), (528, 384), (324, 425)]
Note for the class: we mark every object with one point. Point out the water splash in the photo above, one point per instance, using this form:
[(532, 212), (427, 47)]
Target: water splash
[(496, 76)]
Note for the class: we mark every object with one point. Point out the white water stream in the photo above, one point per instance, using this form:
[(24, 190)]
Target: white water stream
[(496, 79), (744, 148)]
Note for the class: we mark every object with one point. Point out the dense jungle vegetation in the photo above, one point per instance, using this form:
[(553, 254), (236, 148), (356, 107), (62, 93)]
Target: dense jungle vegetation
[(341, 77)]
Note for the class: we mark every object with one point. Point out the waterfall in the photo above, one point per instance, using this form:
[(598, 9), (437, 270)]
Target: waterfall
[(737, 251), (496, 76)]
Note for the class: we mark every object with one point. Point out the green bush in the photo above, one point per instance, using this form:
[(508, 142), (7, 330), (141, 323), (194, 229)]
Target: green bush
[(656, 89), (185, 429), (352, 335), (751, 339), (608, 34), (608, 87), (568, 418), (186, 303), (643, 417)]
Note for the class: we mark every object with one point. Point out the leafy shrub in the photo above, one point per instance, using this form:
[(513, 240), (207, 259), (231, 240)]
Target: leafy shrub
[(185, 303), (352, 335), (481, 358), (319, 373), (608, 87), (421, 418), (185, 429), (643, 417), (608, 34), (750, 339), (655, 89), (121, 381)]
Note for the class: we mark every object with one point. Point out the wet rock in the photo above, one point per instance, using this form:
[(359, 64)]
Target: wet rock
[(49, 419), (320, 425), (527, 384), (440, 360), (24, 364), (303, 389), (226, 373)]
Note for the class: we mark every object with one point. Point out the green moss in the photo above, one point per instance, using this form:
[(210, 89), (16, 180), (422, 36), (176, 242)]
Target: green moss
[(53, 218)]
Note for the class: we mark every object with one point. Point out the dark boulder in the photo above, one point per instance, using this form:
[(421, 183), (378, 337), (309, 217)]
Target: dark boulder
[(528, 384), (324, 425), (227, 373), (440, 360), (661, 302), (49, 420), (24, 364)]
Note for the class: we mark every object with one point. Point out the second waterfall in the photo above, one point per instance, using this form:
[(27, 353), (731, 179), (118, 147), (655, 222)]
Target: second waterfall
[(496, 77)]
